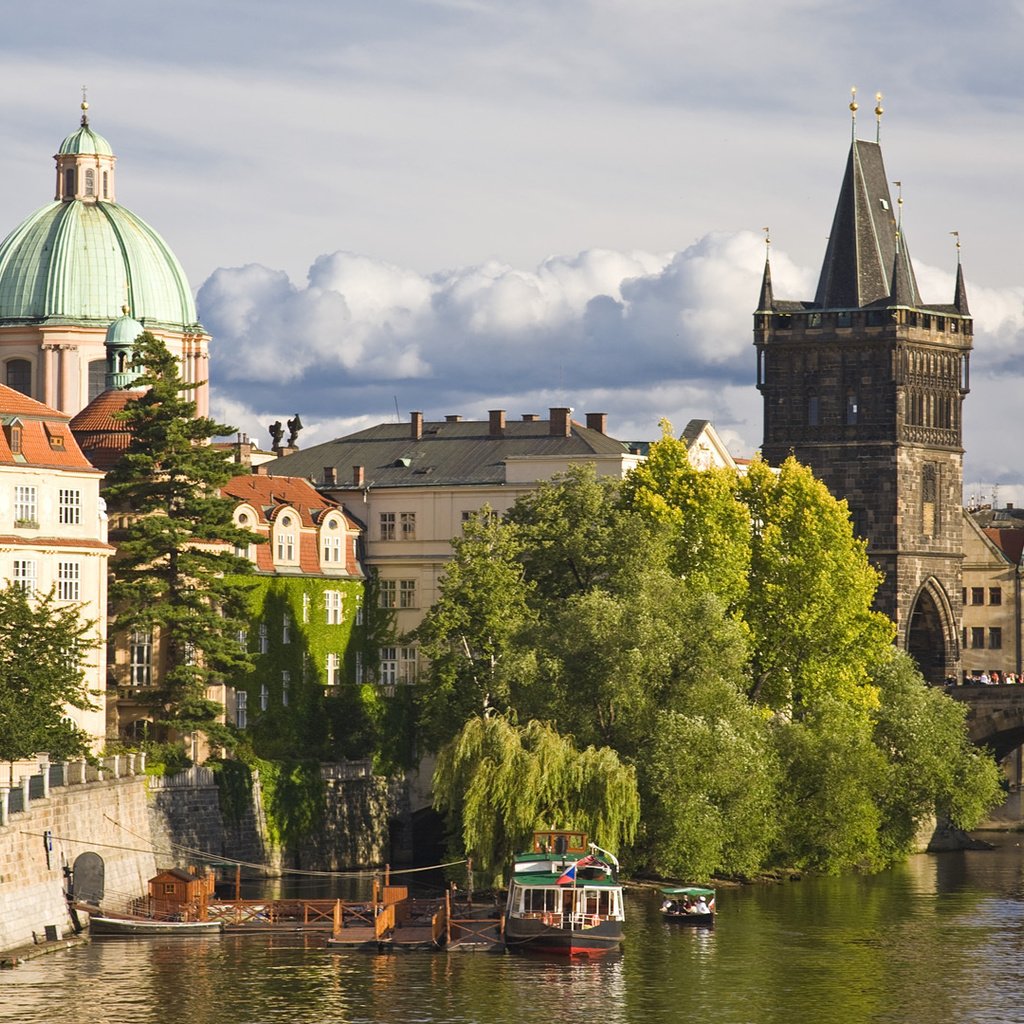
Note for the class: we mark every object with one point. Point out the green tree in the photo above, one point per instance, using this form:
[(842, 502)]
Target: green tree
[(175, 571), (470, 633), (43, 646), (808, 606), (709, 531), (498, 782)]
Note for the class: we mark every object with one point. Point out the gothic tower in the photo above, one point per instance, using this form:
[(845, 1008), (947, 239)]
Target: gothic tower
[(865, 386)]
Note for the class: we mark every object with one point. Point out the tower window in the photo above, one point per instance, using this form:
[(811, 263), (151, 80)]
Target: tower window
[(929, 499), (90, 181), (813, 411), (106, 184), (69, 183), (851, 407), (19, 376)]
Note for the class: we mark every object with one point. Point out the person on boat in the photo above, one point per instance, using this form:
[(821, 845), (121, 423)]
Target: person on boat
[(687, 905), (669, 907), (702, 906)]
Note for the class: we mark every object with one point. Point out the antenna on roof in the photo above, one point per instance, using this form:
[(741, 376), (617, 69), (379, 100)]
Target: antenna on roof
[(853, 112), (899, 212), (879, 111), (956, 235), (398, 415)]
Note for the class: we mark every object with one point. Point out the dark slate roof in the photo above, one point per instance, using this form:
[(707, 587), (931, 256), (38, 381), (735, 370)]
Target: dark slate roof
[(862, 247), (960, 301), (447, 453), (764, 302)]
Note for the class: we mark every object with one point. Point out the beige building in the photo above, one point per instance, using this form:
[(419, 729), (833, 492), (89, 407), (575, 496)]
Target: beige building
[(53, 528), (993, 613)]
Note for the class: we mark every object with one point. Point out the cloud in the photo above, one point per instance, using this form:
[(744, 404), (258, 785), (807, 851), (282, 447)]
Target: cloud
[(638, 335)]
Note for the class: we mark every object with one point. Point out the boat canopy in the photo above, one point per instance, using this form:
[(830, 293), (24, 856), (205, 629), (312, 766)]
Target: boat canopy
[(690, 890)]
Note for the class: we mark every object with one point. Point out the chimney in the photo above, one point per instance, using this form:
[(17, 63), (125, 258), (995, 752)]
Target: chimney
[(497, 422), (453, 419), (1009, 505), (597, 421), (417, 425), (330, 476), (530, 417), (357, 476), (561, 422)]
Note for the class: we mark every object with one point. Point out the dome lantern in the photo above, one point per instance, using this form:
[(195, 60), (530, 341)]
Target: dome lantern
[(85, 165)]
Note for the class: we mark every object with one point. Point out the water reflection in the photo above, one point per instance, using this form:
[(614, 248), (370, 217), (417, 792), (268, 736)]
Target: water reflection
[(938, 938)]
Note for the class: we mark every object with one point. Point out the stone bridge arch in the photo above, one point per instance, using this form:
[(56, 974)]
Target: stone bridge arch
[(932, 638), (995, 718)]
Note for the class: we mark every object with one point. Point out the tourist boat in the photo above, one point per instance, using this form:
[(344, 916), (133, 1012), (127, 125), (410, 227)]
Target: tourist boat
[(126, 925), (681, 905), (564, 898)]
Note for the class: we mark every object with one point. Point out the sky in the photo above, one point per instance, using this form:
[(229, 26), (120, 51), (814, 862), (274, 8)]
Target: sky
[(453, 206)]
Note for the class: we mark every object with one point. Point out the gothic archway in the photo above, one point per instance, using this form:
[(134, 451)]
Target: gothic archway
[(931, 638)]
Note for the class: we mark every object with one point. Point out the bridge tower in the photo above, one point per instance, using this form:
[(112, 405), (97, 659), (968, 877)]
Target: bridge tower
[(865, 385)]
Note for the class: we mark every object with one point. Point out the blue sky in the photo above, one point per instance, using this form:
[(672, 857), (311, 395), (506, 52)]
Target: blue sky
[(459, 205)]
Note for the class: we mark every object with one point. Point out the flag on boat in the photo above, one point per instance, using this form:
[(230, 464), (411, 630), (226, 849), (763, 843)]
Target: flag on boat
[(569, 875)]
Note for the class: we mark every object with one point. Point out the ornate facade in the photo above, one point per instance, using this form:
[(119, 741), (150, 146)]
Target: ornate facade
[(865, 385)]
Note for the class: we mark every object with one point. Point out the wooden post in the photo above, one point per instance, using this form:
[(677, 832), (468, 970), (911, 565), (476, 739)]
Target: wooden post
[(387, 874), (337, 917), (448, 916), (238, 882)]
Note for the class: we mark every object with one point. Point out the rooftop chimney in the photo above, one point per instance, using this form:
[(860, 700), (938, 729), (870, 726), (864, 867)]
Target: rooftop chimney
[(417, 425), (497, 422), (453, 419), (358, 476), (530, 417), (330, 476), (597, 421), (561, 422)]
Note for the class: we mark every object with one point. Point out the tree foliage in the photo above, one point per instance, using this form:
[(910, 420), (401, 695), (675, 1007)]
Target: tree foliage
[(499, 782), (43, 646), (175, 570)]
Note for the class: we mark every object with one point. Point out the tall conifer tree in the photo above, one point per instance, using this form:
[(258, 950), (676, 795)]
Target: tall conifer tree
[(175, 572)]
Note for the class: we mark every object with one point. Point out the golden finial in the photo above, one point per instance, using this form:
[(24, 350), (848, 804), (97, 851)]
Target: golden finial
[(879, 111), (767, 237), (956, 235), (853, 111), (85, 108)]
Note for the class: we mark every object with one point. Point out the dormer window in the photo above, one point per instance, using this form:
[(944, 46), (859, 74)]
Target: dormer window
[(14, 437)]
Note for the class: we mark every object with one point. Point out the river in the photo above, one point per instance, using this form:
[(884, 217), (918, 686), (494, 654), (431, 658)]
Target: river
[(940, 938)]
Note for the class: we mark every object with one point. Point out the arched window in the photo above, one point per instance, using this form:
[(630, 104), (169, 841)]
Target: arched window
[(19, 376), (90, 181), (69, 183), (813, 411), (929, 499)]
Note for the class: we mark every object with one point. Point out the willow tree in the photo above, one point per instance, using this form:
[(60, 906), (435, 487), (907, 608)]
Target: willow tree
[(497, 782)]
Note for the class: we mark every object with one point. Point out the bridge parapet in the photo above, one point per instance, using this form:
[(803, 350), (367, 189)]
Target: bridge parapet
[(995, 716)]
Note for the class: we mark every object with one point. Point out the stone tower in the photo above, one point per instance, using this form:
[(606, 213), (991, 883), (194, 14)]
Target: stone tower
[(865, 385)]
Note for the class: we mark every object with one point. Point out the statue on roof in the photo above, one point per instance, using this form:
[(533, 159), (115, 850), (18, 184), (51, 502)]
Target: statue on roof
[(276, 433), (294, 426)]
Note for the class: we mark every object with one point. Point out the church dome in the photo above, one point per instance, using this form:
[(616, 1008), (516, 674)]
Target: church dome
[(79, 259), (76, 261), (85, 140), (123, 331)]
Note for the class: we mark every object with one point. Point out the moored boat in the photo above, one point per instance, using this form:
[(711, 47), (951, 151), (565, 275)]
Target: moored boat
[(564, 898), (690, 904), (126, 925)]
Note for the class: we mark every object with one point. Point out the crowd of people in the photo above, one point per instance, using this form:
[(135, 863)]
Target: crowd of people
[(993, 678)]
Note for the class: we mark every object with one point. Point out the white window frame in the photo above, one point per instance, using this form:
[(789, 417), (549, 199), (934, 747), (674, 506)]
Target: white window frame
[(407, 594), (333, 669), (264, 638), (264, 696), (241, 711), (26, 505), (388, 526), (388, 597), (333, 605), (286, 684), (286, 628), (69, 506), (69, 581), (407, 524), (25, 574), (140, 657)]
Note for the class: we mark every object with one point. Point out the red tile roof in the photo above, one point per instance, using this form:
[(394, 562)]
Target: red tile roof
[(46, 438), (1010, 542)]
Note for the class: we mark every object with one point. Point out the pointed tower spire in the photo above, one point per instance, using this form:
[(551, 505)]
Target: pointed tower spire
[(902, 272), (960, 293), (764, 303)]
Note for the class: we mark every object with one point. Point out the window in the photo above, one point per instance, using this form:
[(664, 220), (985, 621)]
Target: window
[(977, 595), (264, 635), (24, 504), (389, 593), (14, 437), (69, 183), (929, 499), (19, 376), (286, 629), (190, 652), (241, 699), (406, 593), (106, 184), (333, 543), (851, 408), (407, 665), (978, 636), (286, 685), (25, 574), (333, 667), (285, 546), (995, 595), (995, 638), (264, 697), (332, 599), (387, 526), (69, 507), (359, 612), (68, 577), (813, 411), (140, 657), (408, 522), (90, 181), (243, 640), (305, 607), (359, 666), (388, 666)]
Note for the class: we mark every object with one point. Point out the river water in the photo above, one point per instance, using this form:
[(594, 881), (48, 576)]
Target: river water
[(940, 938)]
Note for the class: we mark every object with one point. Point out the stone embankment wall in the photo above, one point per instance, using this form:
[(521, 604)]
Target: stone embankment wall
[(105, 815)]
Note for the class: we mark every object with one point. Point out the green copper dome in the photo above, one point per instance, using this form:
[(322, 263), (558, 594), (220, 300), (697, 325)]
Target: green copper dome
[(80, 262), (123, 332), (85, 140)]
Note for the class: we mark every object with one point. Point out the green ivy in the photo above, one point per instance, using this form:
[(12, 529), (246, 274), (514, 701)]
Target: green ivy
[(234, 786)]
